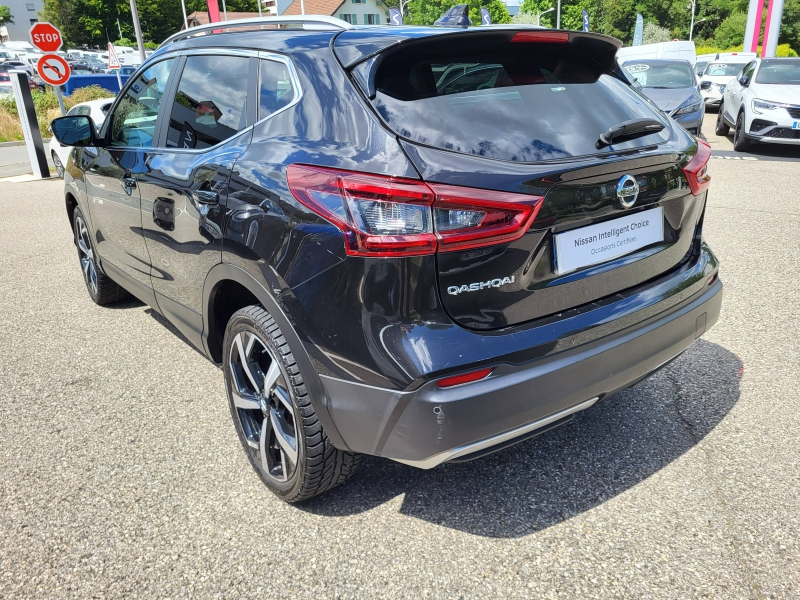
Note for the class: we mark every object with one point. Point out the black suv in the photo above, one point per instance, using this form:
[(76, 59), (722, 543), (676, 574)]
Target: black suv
[(425, 244)]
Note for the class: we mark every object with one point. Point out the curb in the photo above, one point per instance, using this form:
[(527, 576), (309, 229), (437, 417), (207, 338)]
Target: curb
[(20, 143)]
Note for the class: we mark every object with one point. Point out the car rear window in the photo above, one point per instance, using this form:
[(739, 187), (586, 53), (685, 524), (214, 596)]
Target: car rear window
[(503, 99)]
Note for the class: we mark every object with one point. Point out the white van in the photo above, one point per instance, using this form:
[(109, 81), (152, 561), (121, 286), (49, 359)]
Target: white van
[(677, 50)]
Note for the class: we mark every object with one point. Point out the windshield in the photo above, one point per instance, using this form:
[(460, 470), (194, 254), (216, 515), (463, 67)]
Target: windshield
[(662, 74), (509, 101), (779, 72), (720, 69)]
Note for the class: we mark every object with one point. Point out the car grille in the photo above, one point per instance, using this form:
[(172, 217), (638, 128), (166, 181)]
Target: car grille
[(794, 111), (785, 133), (759, 124)]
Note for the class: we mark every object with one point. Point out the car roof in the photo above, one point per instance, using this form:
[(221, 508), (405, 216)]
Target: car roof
[(96, 103)]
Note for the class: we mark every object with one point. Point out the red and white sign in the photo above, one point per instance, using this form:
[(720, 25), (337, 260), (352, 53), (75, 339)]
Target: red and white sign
[(45, 37), (53, 69), (113, 61)]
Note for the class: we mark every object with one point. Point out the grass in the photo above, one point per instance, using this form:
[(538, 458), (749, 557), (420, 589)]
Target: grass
[(46, 106)]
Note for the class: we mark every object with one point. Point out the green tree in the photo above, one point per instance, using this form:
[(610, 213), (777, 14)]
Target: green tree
[(5, 16), (731, 31), (654, 34), (537, 7)]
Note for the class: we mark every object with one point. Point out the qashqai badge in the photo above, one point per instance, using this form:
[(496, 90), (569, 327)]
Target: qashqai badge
[(627, 191)]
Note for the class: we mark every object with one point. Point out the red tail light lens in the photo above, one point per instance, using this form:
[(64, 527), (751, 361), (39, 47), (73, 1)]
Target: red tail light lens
[(553, 37), (469, 218), (390, 216), (465, 378), (696, 171)]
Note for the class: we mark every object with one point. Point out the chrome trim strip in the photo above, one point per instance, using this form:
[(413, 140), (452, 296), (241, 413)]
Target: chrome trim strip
[(438, 459), (321, 22)]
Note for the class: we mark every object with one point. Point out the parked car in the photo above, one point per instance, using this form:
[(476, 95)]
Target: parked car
[(671, 85), (97, 110), (383, 266), (763, 104), (716, 76), (123, 70), (5, 78), (18, 65), (85, 66)]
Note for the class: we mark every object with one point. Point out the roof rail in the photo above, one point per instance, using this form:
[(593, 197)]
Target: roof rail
[(312, 21)]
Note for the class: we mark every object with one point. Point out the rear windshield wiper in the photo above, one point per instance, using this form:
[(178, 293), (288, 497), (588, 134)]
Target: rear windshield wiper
[(628, 130)]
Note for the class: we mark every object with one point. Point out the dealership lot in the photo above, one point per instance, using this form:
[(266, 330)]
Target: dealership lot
[(122, 475)]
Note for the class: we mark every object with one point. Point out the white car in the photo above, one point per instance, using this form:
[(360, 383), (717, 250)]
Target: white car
[(763, 104), (715, 77), (97, 110)]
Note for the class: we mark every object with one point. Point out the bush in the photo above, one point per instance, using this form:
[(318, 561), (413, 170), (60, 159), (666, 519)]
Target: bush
[(46, 106)]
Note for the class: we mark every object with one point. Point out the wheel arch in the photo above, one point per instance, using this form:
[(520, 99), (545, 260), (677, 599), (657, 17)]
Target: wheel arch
[(225, 279), (71, 204)]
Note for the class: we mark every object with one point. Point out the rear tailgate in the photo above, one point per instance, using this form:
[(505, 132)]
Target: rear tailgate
[(520, 112)]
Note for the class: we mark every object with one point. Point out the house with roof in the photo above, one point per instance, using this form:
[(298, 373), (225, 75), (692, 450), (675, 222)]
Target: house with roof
[(357, 12)]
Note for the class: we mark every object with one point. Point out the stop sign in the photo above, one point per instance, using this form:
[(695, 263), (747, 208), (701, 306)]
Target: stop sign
[(45, 37)]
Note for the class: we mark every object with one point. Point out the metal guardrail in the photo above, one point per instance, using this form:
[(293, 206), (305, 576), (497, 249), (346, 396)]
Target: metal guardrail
[(308, 22)]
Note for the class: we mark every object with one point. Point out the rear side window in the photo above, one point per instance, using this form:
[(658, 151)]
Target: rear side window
[(210, 104), (276, 90), (490, 96)]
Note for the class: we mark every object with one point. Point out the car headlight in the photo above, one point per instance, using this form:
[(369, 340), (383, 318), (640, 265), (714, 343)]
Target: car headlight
[(685, 110), (759, 105)]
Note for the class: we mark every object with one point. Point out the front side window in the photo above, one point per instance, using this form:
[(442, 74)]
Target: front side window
[(747, 72), (133, 122), (211, 102), (276, 88)]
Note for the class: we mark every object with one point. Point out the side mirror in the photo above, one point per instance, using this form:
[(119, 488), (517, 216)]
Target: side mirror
[(705, 85), (77, 131), (743, 80)]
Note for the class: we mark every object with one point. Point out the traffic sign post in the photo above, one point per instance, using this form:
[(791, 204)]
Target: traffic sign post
[(54, 70), (114, 64), (47, 38)]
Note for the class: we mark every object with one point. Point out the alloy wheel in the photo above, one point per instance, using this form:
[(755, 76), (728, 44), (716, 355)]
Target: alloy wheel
[(86, 255), (264, 406), (57, 164)]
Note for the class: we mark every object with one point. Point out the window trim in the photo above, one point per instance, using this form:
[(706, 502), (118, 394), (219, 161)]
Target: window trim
[(295, 80)]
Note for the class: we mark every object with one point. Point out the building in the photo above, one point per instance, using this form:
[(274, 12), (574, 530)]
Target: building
[(201, 17), (25, 13), (357, 12)]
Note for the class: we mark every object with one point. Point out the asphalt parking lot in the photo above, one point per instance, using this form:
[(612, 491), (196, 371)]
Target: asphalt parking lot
[(122, 476)]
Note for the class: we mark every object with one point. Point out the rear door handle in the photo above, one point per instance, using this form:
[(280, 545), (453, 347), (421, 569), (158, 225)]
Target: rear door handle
[(206, 197)]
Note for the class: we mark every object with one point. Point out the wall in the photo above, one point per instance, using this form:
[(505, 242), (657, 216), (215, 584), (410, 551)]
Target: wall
[(371, 7), (18, 31)]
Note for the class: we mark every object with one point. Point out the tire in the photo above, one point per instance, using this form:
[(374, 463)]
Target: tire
[(721, 128), (57, 164), (740, 142), (272, 412), (102, 290)]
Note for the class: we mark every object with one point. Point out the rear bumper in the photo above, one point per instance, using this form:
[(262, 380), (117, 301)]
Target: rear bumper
[(428, 426)]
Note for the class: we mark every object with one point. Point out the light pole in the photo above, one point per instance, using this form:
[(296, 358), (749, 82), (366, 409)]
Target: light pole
[(692, 29), (558, 16), (539, 15)]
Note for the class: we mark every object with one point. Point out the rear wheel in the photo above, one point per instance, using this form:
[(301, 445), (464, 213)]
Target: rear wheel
[(272, 411), (102, 290), (740, 141), (57, 164), (721, 127)]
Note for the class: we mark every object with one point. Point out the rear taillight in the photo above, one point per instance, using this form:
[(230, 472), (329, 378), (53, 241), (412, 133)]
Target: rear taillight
[(390, 216), (696, 171), (464, 378)]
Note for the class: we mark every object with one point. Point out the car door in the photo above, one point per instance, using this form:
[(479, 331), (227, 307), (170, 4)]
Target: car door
[(186, 183), (734, 91), (110, 178)]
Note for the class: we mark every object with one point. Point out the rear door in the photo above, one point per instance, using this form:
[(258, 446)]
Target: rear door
[(185, 186), (525, 117)]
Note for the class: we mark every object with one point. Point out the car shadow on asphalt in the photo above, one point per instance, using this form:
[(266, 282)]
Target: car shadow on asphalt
[(603, 452)]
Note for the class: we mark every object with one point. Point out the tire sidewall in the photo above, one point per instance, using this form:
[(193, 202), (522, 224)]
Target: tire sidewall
[(75, 216), (243, 322)]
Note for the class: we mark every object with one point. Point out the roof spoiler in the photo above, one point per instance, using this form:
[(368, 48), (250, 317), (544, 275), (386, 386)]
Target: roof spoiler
[(356, 45)]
